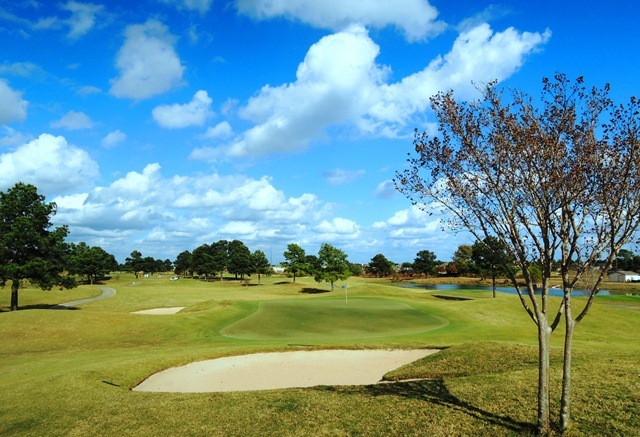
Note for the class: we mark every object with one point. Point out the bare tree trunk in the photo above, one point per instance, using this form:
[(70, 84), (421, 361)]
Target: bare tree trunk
[(493, 281), (544, 337), (15, 285), (565, 402)]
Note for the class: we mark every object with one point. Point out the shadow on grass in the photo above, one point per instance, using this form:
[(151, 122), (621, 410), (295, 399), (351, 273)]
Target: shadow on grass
[(434, 391), (447, 297), (39, 306), (314, 290)]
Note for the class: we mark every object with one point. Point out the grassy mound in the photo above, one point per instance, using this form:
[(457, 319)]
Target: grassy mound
[(473, 359), (333, 318)]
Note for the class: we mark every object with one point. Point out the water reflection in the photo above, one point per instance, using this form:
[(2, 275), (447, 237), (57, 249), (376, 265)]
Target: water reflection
[(508, 290)]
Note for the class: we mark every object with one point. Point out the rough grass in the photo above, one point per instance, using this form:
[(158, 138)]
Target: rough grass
[(70, 372)]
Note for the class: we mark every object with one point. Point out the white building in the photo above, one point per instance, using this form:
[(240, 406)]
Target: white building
[(623, 276)]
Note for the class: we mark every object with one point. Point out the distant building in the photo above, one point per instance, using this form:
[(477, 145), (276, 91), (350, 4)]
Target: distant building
[(623, 276)]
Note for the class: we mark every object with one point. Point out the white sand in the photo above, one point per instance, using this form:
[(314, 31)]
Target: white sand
[(159, 311), (267, 371)]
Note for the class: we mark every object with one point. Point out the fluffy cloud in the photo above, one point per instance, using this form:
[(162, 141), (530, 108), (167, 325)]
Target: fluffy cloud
[(166, 215), (183, 212), (24, 69), (478, 55), (416, 18), (13, 107), (11, 137), (339, 83), (332, 86), (411, 230), (412, 221), (88, 90), (221, 130), (73, 120), (201, 6), (194, 113), (147, 62), (337, 229), (113, 138), (341, 176), (49, 163), (83, 17), (385, 190)]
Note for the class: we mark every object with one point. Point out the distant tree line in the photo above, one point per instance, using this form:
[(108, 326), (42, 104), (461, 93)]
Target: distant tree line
[(31, 250), (136, 263), (330, 265), (212, 260)]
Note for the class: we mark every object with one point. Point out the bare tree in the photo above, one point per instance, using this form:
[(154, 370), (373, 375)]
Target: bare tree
[(554, 180)]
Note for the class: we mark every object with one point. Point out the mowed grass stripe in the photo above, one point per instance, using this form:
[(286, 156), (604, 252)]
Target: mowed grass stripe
[(333, 318)]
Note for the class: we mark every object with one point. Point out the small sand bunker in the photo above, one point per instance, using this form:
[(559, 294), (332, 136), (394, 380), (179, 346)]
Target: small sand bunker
[(266, 371), (160, 311)]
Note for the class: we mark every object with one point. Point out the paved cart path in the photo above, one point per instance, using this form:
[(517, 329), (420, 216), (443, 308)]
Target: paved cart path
[(106, 293)]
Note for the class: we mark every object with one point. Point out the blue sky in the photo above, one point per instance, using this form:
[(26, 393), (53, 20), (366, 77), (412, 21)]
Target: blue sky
[(160, 125)]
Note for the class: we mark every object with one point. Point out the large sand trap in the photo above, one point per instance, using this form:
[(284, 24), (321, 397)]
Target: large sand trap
[(267, 371), (159, 311)]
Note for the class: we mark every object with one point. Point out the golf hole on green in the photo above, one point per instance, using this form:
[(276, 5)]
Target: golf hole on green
[(333, 319)]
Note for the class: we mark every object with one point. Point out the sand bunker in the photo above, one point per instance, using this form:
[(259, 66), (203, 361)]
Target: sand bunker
[(268, 371), (159, 311)]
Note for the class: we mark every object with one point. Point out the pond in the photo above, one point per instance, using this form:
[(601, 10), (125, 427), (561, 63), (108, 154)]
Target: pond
[(500, 289)]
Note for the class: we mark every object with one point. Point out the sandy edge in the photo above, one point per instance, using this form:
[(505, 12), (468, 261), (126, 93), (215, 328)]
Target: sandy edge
[(267, 371), (159, 311)]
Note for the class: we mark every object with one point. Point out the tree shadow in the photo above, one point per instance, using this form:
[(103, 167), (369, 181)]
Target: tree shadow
[(87, 282), (39, 306), (62, 307), (435, 391), (314, 290), (448, 297)]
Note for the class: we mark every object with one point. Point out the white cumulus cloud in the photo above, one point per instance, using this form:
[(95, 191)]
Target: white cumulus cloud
[(415, 18), (73, 120), (49, 163), (340, 83), (147, 61), (13, 107), (221, 130), (385, 190), (113, 138), (334, 84), (201, 6), (337, 229), (181, 212), (194, 113), (83, 17), (340, 176)]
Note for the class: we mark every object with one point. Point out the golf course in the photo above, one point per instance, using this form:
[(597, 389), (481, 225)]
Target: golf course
[(73, 371)]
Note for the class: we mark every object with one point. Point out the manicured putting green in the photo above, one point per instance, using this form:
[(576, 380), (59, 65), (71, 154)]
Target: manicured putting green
[(332, 318)]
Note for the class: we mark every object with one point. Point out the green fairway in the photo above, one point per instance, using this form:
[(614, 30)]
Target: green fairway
[(333, 318), (70, 372)]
